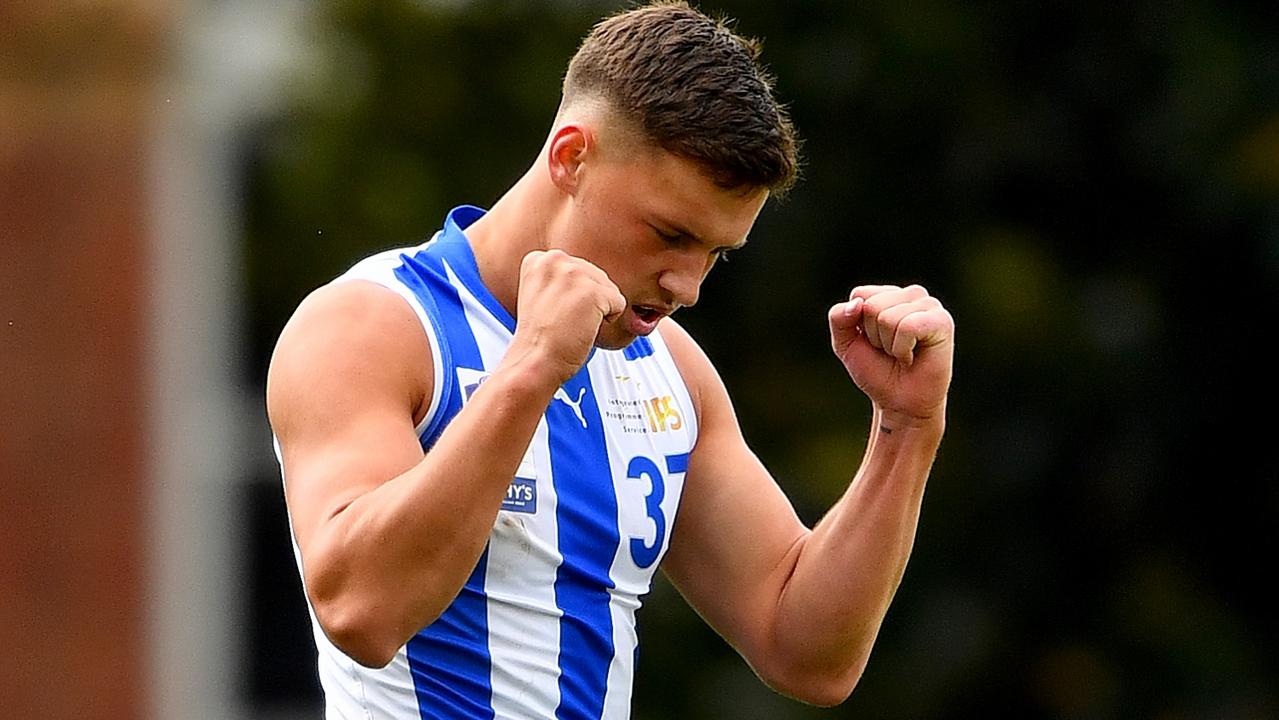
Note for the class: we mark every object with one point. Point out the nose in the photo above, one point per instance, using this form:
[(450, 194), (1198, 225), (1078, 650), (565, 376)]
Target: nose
[(683, 280)]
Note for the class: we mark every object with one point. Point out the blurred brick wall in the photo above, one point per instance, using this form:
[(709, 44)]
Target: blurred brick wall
[(76, 82)]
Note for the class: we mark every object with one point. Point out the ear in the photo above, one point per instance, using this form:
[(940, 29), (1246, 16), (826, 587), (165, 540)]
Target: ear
[(566, 154)]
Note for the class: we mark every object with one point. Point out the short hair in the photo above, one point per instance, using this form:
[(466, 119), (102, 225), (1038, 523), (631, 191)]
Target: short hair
[(694, 88)]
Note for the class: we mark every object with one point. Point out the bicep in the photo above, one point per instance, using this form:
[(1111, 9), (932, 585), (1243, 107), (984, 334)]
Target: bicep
[(347, 378), (737, 536)]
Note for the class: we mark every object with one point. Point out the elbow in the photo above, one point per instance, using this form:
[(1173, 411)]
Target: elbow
[(826, 695), (816, 692), (358, 614), (825, 687), (354, 630)]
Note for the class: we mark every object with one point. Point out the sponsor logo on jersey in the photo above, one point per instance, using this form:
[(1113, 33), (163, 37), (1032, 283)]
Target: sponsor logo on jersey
[(470, 379), (562, 395), (643, 417), (521, 496), (663, 414)]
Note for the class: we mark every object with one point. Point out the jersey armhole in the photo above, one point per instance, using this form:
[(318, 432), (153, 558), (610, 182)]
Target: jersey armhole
[(442, 382), (441, 359)]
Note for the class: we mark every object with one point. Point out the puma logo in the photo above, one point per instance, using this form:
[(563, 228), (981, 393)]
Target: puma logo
[(562, 396)]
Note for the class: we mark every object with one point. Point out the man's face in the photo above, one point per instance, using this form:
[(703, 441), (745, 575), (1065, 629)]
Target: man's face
[(655, 223)]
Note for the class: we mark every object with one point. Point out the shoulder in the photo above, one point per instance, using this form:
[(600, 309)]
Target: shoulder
[(351, 337), (699, 373), (683, 347)]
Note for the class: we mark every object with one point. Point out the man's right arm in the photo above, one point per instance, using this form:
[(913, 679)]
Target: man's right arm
[(387, 535)]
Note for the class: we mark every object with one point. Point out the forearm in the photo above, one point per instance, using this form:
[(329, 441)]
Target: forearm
[(847, 569), (394, 558)]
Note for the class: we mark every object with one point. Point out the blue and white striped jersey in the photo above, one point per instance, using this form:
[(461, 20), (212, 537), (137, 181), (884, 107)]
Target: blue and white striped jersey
[(545, 625)]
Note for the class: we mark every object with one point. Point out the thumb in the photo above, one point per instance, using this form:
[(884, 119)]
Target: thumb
[(846, 316), (845, 323), (615, 303)]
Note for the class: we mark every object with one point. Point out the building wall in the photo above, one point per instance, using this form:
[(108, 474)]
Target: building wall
[(76, 85)]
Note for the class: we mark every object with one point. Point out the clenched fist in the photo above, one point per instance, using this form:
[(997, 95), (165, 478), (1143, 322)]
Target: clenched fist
[(898, 345), (563, 301)]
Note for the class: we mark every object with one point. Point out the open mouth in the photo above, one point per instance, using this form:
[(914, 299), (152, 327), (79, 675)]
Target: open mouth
[(647, 314)]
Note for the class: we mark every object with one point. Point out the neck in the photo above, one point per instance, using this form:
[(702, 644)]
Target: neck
[(516, 225)]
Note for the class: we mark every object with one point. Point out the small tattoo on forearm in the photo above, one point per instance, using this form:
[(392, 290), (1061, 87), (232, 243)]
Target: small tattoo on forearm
[(885, 429)]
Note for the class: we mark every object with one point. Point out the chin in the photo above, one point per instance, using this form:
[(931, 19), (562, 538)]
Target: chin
[(613, 338)]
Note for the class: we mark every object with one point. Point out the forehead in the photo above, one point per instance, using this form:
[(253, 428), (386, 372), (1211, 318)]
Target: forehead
[(675, 190)]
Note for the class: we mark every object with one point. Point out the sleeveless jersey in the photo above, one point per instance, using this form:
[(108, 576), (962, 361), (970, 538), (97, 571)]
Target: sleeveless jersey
[(545, 624)]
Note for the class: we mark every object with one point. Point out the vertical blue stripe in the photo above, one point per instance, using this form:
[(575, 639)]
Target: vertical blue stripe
[(449, 659), (588, 538)]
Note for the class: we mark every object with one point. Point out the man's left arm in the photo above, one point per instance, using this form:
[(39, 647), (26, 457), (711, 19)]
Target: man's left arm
[(802, 606)]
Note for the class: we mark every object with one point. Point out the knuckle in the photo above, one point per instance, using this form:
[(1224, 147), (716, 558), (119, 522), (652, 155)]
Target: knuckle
[(552, 261)]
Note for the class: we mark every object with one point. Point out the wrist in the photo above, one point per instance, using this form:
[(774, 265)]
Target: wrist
[(529, 372), (890, 422)]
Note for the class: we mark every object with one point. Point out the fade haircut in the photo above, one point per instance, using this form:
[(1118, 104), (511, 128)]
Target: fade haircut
[(692, 87)]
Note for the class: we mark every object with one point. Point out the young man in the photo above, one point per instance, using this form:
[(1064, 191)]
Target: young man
[(490, 442)]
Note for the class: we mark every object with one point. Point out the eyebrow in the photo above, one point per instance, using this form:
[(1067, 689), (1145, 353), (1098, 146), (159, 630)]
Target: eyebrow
[(681, 230)]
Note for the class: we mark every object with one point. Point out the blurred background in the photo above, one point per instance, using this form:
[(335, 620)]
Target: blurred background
[(1092, 188)]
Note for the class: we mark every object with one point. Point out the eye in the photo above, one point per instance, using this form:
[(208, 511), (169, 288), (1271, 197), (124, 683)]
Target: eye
[(721, 254), (667, 236)]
